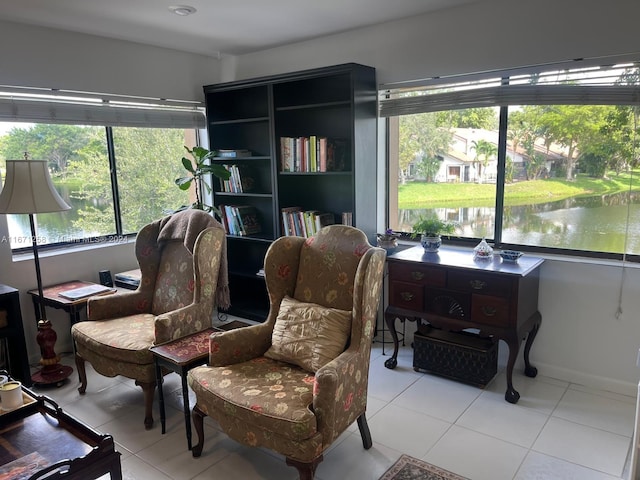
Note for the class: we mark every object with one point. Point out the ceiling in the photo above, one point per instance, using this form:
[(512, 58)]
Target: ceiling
[(218, 27)]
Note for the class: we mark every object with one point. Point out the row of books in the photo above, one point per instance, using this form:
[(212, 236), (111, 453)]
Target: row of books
[(311, 154), (240, 181), (304, 223), (240, 219)]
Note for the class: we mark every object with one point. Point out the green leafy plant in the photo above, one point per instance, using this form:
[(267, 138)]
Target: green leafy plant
[(197, 175), (432, 226)]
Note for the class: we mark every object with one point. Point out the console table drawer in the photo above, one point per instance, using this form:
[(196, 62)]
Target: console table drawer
[(406, 295), (435, 277), (490, 310), (475, 282)]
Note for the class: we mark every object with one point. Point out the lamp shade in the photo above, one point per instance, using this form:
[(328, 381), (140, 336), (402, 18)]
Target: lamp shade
[(28, 189)]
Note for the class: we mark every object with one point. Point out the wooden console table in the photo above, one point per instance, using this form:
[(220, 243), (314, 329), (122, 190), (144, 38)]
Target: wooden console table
[(452, 291)]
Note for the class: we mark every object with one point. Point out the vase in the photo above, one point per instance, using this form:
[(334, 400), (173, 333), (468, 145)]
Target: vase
[(431, 244), (389, 244)]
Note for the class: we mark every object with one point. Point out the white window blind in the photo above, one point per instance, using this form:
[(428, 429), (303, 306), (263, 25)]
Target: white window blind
[(78, 108), (607, 85)]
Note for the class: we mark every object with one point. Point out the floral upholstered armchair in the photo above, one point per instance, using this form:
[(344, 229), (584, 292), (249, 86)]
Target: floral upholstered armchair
[(180, 260), (294, 383)]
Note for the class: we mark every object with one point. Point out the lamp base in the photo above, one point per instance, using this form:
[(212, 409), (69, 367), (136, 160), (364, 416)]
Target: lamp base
[(48, 376), (52, 371)]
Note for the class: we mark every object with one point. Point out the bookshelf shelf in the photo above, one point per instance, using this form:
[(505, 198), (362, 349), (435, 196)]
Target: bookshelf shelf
[(337, 103), (314, 106)]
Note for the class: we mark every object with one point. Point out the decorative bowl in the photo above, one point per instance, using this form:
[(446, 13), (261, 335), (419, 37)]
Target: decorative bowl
[(510, 255)]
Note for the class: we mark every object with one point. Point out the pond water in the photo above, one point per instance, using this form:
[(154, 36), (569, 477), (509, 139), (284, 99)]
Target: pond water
[(50, 227), (598, 224)]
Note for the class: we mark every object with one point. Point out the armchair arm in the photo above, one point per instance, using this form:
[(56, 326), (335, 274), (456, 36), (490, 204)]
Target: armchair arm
[(183, 321), (119, 304), (340, 393), (239, 345)]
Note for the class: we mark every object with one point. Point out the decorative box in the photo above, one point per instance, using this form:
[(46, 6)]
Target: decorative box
[(463, 356)]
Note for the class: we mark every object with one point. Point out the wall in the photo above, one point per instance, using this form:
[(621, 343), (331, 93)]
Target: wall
[(580, 340), (49, 58)]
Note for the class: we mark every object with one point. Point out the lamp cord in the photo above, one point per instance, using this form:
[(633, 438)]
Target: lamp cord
[(623, 274)]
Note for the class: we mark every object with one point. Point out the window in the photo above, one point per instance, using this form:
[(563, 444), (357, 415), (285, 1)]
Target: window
[(117, 170), (545, 160)]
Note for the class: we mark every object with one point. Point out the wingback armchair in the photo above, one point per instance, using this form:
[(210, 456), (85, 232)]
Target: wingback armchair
[(180, 260), (294, 383)]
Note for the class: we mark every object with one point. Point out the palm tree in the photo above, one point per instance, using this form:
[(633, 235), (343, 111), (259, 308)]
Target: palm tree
[(484, 151)]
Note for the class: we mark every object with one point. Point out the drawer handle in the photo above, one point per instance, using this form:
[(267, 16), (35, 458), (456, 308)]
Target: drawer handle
[(477, 284), (417, 275), (489, 311), (406, 296)]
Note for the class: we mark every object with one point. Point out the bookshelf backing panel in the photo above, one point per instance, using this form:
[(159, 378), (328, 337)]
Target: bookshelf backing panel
[(250, 135), (237, 104), (315, 89)]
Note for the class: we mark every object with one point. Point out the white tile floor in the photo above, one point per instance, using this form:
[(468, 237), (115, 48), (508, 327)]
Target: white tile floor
[(556, 431)]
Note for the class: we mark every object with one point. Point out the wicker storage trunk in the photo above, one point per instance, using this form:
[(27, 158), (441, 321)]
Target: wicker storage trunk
[(463, 356)]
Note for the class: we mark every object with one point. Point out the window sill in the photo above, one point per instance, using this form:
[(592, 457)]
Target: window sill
[(94, 244)]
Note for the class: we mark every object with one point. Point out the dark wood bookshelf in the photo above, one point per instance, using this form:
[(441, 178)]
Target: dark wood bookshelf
[(337, 102)]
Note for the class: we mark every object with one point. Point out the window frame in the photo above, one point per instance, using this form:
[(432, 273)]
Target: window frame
[(499, 93), (54, 106)]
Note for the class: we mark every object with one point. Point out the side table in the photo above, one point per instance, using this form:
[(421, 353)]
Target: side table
[(53, 299), (180, 356)]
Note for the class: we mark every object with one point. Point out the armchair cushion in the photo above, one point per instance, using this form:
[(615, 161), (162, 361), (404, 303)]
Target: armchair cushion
[(124, 339), (308, 335), (267, 394)]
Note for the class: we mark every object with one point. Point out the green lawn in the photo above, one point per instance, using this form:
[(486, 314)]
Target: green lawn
[(431, 195)]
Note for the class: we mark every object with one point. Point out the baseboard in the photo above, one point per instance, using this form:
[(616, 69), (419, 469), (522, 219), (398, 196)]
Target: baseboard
[(591, 381)]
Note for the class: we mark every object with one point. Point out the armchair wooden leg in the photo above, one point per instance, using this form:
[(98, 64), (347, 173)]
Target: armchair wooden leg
[(148, 388), (197, 416), (82, 374), (306, 469), (363, 426)]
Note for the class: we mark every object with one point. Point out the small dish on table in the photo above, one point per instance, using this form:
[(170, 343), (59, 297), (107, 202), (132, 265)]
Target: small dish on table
[(510, 256)]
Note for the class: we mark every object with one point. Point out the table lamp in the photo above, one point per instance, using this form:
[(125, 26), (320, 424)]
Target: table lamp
[(28, 189)]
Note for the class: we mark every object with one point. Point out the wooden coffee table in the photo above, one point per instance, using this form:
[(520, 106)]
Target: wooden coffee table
[(38, 439)]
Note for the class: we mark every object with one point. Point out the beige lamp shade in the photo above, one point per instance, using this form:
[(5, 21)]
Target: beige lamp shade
[(28, 189)]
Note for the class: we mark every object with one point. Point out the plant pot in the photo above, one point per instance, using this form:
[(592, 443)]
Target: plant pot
[(389, 244), (431, 244)]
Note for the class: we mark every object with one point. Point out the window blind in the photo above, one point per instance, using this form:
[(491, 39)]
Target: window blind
[(609, 85), (76, 108)]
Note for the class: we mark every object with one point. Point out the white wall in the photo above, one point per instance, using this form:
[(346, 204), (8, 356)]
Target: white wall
[(49, 58), (580, 339), (474, 38)]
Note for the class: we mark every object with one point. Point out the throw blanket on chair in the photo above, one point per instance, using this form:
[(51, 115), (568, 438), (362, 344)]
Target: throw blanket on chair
[(188, 224)]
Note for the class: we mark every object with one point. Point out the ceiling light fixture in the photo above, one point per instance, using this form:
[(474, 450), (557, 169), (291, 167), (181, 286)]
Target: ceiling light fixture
[(182, 10)]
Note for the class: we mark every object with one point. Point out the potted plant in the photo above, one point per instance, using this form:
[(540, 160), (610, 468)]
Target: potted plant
[(197, 174), (430, 230)]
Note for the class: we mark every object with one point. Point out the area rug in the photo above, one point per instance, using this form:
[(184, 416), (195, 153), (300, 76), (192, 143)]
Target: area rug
[(409, 468)]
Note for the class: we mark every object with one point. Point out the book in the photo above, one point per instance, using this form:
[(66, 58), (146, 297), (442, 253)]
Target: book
[(324, 219), (83, 292), (241, 179), (248, 220), (288, 227), (234, 153)]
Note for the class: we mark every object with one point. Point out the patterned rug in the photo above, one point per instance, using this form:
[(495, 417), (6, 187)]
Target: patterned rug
[(409, 468)]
